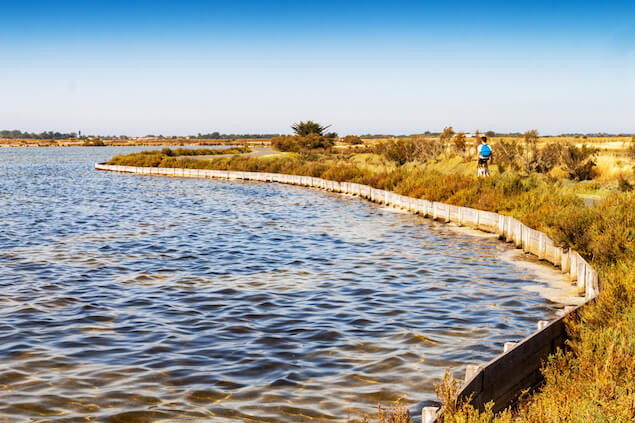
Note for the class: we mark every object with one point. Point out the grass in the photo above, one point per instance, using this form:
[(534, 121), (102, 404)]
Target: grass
[(168, 157), (397, 414), (594, 379), (610, 166)]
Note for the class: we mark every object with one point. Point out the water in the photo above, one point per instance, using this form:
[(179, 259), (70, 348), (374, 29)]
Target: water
[(127, 298)]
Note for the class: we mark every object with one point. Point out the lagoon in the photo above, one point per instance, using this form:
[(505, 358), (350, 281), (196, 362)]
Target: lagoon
[(139, 298)]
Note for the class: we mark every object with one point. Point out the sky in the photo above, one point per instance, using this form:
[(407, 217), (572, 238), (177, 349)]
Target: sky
[(395, 67)]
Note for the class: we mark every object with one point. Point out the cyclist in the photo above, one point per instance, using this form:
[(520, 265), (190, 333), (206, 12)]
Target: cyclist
[(484, 155)]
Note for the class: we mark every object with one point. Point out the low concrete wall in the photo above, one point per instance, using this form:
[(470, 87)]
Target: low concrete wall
[(518, 367)]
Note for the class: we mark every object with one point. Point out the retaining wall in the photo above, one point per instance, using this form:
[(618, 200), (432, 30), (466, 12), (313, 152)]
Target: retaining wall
[(518, 367)]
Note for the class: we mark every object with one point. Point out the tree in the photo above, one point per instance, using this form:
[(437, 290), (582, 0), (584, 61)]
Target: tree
[(428, 148), (309, 127), (460, 142), (400, 151), (531, 150), (447, 134)]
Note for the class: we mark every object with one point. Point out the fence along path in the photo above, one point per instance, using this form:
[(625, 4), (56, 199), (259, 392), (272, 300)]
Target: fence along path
[(518, 367)]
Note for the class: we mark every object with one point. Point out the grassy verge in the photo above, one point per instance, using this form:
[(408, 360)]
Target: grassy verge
[(170, 157), (594, 380)]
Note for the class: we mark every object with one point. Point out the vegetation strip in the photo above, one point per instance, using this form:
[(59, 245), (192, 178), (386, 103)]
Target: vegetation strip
[(505, 377)]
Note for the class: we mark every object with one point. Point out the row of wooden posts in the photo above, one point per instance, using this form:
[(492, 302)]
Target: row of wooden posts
[(518, 367)]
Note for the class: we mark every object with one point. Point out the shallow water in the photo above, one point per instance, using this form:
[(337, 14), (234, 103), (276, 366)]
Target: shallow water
[(131, 298)]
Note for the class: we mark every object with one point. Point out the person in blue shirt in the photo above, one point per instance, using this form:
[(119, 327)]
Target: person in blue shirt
[(484, 156)]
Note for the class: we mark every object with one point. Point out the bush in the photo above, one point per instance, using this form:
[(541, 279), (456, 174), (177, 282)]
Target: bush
[(400, 151), (93, 142), (528, 159), (296, 143), (460, 143), (447, 135), (548, 157), (429, 148), (508, 155), (286, 143), (352, 139), (579, 162), (315, 141)]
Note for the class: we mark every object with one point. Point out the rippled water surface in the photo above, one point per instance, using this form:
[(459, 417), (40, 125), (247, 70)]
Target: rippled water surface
[(132, 298)]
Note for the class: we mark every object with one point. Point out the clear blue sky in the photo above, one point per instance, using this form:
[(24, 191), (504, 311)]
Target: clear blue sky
[(118, 67)]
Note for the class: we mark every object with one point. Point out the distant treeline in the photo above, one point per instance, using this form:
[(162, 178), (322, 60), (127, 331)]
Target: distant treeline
[(51, 135), (498, 134), (219, 136), (46, 135)]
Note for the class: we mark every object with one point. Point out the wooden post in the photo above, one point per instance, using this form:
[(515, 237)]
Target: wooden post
[(429, 414), (501, 225), (542, 246), (592, 284), (557, 256), (573, 265), (581, 274), (518, 234), (471, 370), (509, 235), (542, 324), (508, 346)]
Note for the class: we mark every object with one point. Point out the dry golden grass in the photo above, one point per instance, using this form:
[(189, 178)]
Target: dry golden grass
[(611, 166), (397, 414)]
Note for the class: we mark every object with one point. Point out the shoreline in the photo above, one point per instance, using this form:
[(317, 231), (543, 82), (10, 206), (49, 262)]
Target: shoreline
[(550, 284), (518, 367)]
